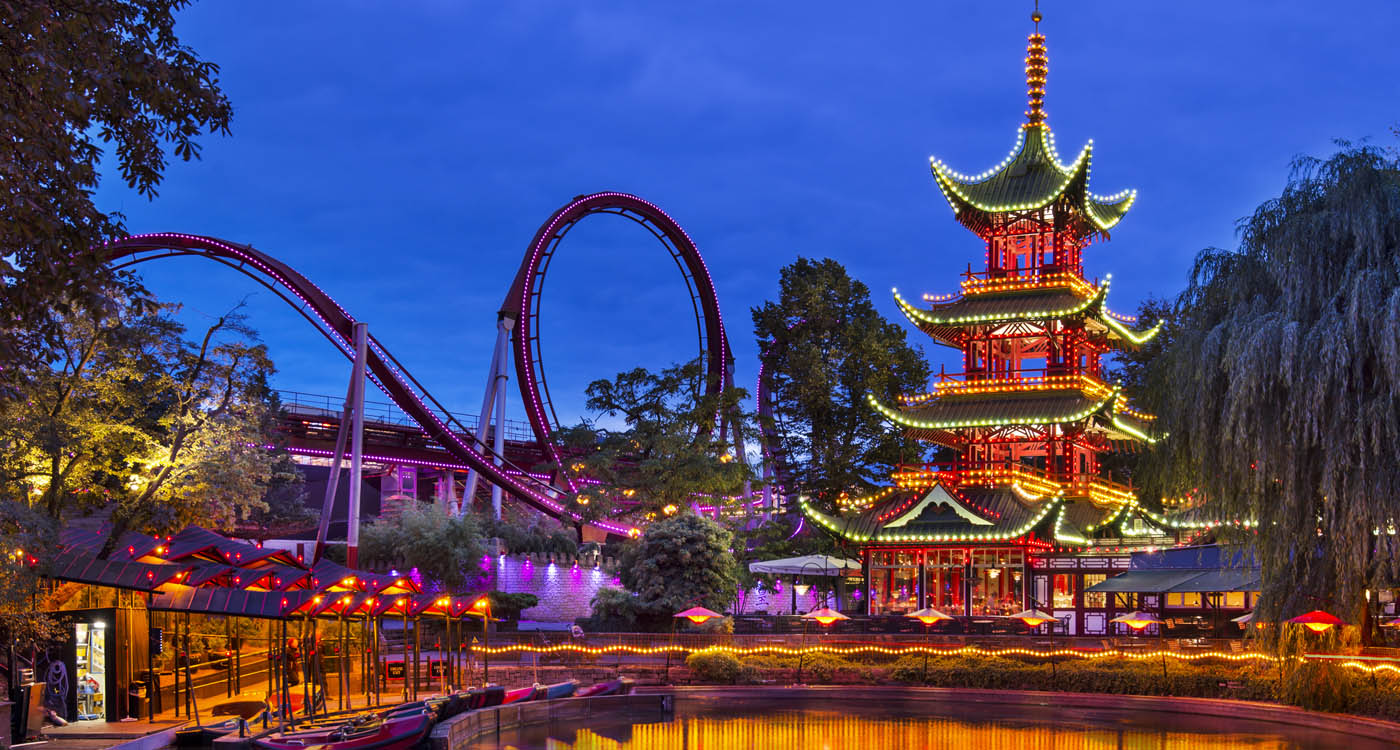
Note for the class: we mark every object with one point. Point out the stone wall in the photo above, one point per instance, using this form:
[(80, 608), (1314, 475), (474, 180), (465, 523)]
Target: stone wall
[(565, 587)]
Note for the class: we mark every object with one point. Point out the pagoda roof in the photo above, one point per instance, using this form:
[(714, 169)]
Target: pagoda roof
[(940, 419), (944, 322), (943, 514), (1032, 176)]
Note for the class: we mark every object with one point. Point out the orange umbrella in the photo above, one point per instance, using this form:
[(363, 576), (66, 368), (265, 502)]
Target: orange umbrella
[(698, 615), (1317, 620), (928, 615), (1138, 620), (1033, 617), (825, 615)]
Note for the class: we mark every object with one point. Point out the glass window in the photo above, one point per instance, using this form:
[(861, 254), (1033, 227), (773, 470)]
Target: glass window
[(1234, 599), (1063, 593), (1094, 599), (1184, 600)]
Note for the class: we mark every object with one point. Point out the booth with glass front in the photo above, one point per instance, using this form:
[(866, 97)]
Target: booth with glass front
[(957, 581)]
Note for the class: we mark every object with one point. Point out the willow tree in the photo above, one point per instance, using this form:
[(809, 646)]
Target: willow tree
[(1281, 387)]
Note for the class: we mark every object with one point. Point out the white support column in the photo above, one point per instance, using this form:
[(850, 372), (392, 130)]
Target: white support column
[(494, 399), (488, 399), (499, 428), (357, 444)]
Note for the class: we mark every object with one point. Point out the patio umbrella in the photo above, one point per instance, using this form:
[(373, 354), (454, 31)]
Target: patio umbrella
[(928, 616), (1394, 623), (825, 615), (1033, 617), (698, 615), (1317, 621), (1138, 620)]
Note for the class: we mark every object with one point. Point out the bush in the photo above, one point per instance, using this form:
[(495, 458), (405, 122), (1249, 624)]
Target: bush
[(508, 606), (618, 611), (716, 667)]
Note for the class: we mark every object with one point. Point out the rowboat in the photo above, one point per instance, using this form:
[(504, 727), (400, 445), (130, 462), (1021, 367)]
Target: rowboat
[(494, 696), (620, 686), (523, 695), (560, 690), (204, 735), (395, 733)]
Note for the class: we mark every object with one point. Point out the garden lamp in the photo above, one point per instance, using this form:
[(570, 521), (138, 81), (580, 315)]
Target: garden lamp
[(1317, 621)]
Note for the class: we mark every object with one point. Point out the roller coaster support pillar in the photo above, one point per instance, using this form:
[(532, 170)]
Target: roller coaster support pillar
[(499, 430), (357, 444), (493, 399), (333, 481)]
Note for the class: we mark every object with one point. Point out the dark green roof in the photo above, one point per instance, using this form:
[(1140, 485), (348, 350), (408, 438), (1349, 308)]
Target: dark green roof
[(945, 322), (1031, 177), (930, 420), (981, 514)]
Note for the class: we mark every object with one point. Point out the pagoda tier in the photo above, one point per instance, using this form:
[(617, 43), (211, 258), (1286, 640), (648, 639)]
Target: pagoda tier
[(1032, 178), (949, 510), (1073, 407), (1010, 307)]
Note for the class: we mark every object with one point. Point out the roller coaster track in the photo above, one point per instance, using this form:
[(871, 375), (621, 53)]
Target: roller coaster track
[(522, 305), (337, 325)]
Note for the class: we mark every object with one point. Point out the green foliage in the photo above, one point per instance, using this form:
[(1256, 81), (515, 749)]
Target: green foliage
[(509, 606), (446, 549), (679, 563), (85, 81), (827, 350), (714, 667), (521, 539), (134, 420), (669, 451), (1280, 386), (617, 611)]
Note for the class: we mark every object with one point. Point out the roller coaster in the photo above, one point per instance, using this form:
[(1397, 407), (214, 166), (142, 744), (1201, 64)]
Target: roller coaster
[(518, 324)]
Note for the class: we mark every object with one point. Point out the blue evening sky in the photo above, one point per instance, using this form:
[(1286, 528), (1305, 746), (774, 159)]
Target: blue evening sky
[(403, 154)]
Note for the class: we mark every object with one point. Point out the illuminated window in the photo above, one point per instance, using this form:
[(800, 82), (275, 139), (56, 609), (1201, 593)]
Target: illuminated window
[(1234, 599), (1064, 591), (1184, 600), (1094, 599)]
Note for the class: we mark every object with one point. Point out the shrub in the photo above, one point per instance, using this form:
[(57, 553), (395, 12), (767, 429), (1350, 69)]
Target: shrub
[(714, 667)]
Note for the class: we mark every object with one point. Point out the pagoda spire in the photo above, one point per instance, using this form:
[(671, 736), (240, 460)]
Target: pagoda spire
[(1037, 65)]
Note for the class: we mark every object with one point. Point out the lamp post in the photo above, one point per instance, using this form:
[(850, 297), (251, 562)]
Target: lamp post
[(1139, 621), (1034, 618), (1317, 621), (697, 615), (483, 606), (824, 617), (927, 616)]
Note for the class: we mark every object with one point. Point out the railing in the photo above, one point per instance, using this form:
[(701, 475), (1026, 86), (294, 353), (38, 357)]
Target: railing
[(380, 412)]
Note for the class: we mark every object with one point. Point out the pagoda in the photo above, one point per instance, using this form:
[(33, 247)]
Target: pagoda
[(1023, 516)]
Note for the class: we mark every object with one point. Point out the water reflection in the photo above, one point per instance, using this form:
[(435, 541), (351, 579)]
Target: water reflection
[(836, 730)]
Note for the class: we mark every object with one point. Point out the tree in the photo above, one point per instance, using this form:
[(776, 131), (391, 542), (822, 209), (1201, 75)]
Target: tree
[(1133, 368), (1281, 385), (678, 563), (78, 77), (670, 455), (826, 348), (446, 549), (133, 421)]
